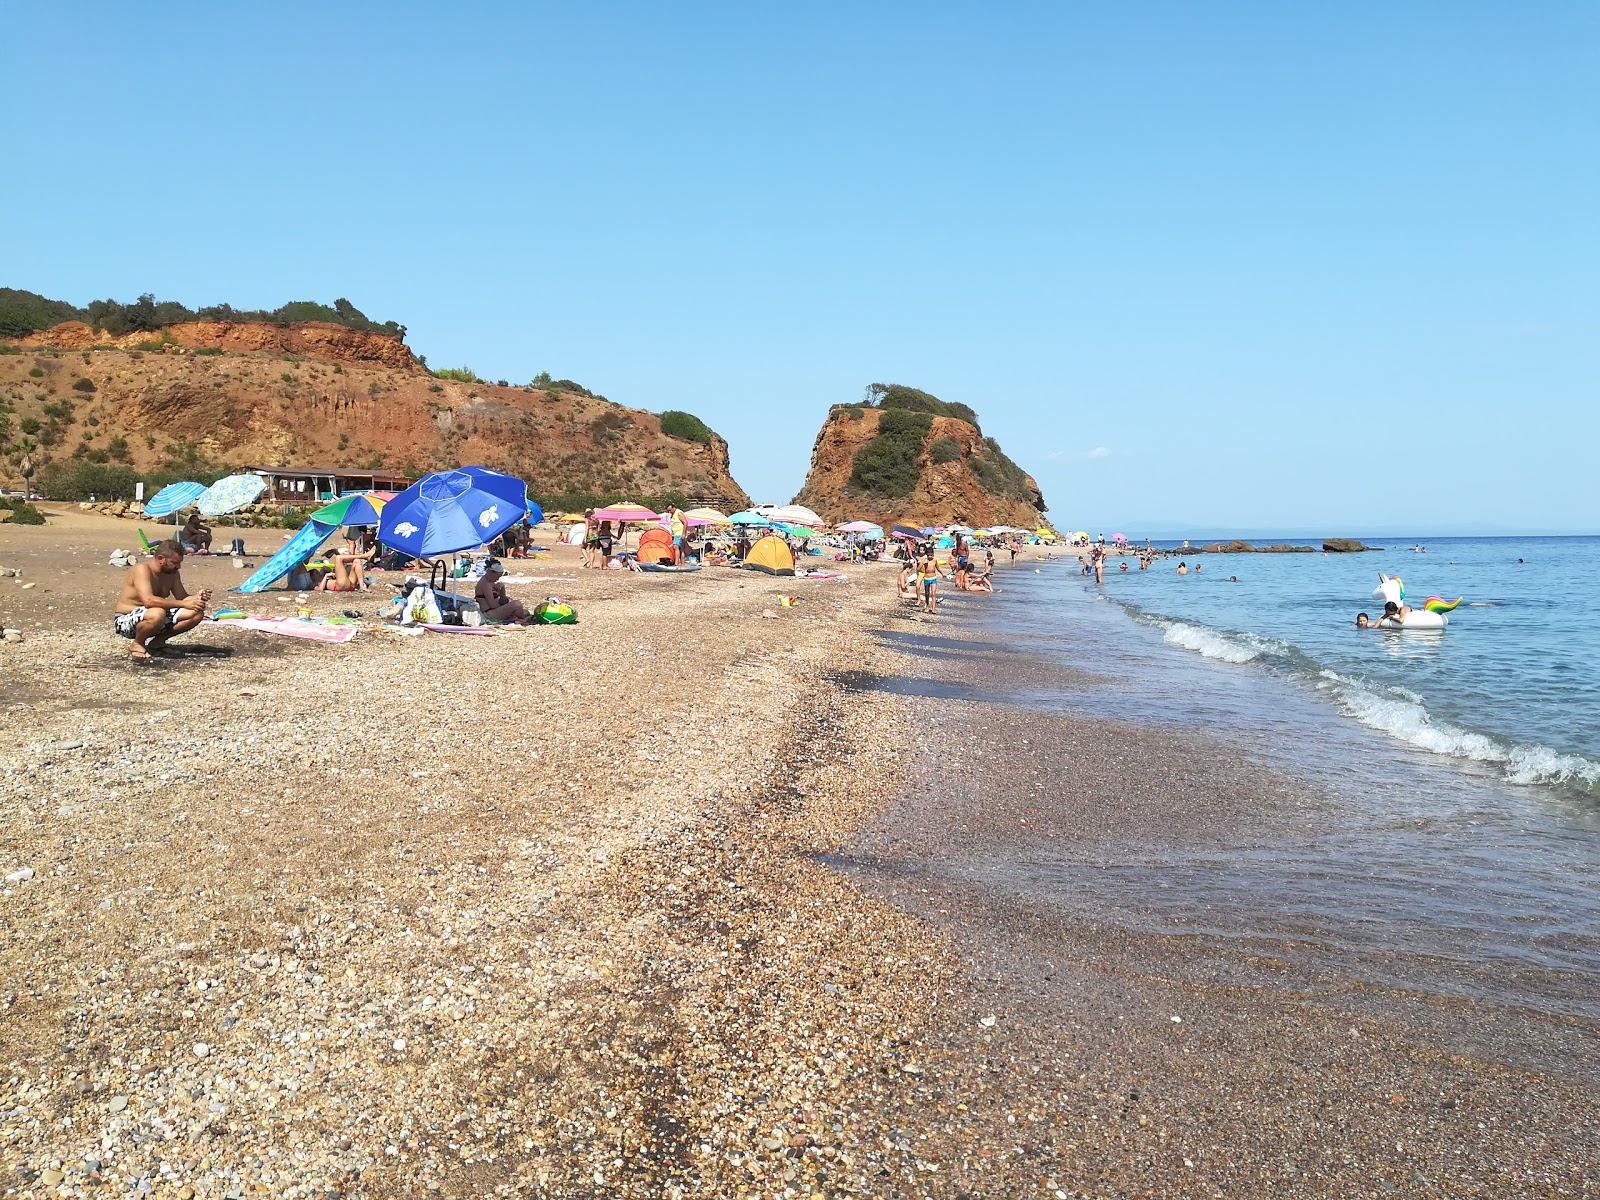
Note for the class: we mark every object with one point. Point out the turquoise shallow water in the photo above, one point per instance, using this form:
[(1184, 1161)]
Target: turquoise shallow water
[(1457, 848), (1513, 682)]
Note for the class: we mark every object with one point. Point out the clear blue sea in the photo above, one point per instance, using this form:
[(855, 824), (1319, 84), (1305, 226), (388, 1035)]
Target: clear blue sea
[(1514, 681), (1459, 850)]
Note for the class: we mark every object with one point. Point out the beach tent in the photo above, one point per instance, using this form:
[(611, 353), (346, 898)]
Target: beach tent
[(655, 545), (295, 551), (771, 556)]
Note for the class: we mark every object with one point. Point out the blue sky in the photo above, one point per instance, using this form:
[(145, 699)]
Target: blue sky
[(1220, 265)]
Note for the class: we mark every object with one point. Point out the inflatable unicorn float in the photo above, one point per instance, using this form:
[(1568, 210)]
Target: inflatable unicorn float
[(1430, 616)]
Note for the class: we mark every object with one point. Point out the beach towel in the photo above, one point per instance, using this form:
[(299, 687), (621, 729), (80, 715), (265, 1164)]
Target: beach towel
[(311, 631)]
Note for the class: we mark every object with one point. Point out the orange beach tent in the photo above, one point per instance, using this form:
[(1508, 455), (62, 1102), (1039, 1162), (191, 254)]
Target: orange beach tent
[(655, 546), (772, 556)]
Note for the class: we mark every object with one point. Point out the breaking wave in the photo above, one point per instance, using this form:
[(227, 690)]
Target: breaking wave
[(1212, 643), (1396, 711)]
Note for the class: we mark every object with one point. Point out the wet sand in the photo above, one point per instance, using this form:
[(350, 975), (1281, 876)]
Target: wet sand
[(655, 905), (1168, 1062)]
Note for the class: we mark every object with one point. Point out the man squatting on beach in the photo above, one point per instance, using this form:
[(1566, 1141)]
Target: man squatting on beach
[(155, 606)]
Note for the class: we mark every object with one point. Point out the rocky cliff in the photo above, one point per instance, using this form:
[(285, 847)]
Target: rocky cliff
[(314, 395), (311, 339), (905, 456)]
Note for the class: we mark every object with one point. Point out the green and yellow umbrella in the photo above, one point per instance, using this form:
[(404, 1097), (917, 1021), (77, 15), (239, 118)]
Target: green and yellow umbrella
[(363, 508)]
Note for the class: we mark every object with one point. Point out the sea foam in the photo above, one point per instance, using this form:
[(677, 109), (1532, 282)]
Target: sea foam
[(1209, 643)]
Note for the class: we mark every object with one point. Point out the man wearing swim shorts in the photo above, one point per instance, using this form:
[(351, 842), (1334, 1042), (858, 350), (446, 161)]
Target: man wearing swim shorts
[(678, 527), (155, 606)]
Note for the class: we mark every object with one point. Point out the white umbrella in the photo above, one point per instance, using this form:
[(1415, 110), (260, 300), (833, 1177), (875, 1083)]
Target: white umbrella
[(794, 514)]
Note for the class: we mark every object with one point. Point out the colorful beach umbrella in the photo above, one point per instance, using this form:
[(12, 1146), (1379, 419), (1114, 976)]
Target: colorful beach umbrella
[(707, 516), (359, 509), (230, 494), (906, 532), (625, 512), (860, 527), (453, 510), (173, 498)]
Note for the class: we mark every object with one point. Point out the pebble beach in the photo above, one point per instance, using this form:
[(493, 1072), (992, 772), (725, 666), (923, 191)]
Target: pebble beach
[(636, 907)]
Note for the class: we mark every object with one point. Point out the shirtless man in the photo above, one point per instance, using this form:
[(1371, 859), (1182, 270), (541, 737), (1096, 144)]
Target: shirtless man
[(155, 606), (492, 599)]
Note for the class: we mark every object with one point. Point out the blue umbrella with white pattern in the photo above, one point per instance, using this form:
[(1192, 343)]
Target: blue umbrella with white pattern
[(453, 510), (230, 493)]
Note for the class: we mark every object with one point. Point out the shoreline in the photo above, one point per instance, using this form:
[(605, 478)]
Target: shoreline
[(608, 937), (1168, 1055)]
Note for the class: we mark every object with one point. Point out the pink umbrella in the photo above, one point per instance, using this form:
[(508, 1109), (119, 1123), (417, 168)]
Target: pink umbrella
[(1119, 537)]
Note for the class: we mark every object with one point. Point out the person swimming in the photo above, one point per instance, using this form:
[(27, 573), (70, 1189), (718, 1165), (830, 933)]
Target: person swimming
[(1364, 622)]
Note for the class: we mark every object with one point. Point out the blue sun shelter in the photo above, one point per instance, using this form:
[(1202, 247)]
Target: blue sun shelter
[(454, 510)]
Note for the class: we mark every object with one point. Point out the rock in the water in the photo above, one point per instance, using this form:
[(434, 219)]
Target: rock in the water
[(1344, 545)]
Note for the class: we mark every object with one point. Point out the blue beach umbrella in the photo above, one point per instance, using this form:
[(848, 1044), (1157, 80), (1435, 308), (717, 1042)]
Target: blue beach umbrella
[(535, 513), (453, 510), (750, 517), (229, 494), (175, 497)]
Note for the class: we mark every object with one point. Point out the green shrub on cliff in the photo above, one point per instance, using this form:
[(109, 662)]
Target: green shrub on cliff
[(945, 450), (678, 424), (888, 464), (997, 474), (897, 395), (24, 312)]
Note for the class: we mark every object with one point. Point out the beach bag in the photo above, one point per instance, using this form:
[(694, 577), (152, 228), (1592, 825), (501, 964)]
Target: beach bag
[(555, 612), (421, 607)]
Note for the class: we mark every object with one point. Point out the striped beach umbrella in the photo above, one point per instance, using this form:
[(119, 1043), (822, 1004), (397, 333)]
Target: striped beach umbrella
[(175, 497)]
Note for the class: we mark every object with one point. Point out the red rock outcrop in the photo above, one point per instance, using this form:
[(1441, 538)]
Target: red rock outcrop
[(309, 339), (945, 492), (344, 399)]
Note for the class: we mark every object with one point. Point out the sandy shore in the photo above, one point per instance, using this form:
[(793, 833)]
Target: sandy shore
[(623, 909)]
